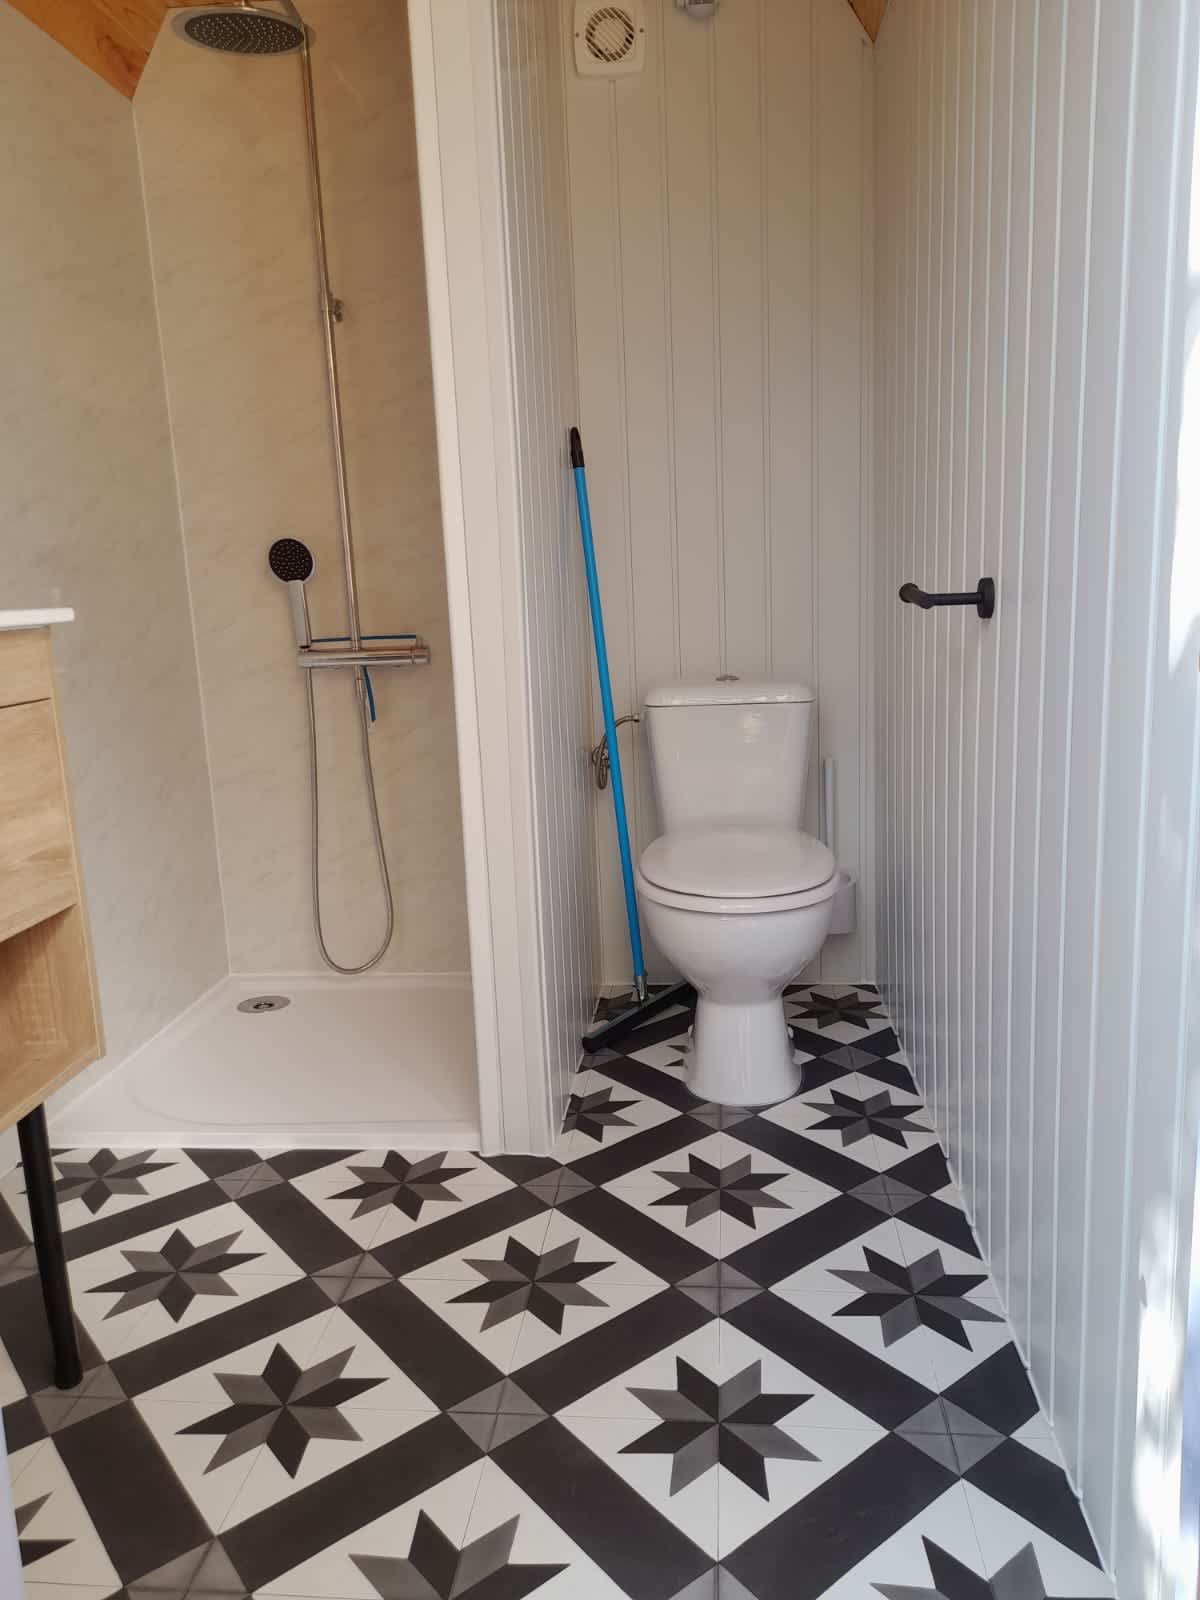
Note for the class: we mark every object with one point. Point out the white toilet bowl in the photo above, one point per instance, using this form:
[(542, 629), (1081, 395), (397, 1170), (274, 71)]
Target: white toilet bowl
[(739, 911)]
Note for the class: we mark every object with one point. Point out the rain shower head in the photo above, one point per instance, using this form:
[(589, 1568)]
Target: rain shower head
[(241, 30), (292, 563)]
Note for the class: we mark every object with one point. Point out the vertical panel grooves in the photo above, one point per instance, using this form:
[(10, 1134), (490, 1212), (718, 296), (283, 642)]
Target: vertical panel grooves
[(768, 498), (1017, 588), (1143, 807), (714, 114), (814, 272), (1102, 761), (536, 222), (669, 409), (1038, 848), (1052, 1396), (717, 239), (1047, 534)]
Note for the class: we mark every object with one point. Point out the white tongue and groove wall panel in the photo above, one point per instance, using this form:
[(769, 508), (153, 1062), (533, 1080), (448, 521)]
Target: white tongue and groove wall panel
[(528, 51), (721, 216), (1037, 774)]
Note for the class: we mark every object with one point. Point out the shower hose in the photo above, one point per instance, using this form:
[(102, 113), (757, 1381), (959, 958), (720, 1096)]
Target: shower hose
[(376, 829)]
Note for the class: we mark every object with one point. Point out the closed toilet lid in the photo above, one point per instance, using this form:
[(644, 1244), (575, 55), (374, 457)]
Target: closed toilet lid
[(738, 863)]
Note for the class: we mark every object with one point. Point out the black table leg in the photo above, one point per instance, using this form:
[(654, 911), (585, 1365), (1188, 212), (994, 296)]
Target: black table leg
[(48, 1243)]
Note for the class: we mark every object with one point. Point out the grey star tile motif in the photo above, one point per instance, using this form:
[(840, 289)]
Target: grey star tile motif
[(720, 1118), (825, 1009), (95, 1182), (357, 1275), (732, 1424), (175, 1275), (16, 1264), (544, 1285), (1018, 1579), (259, 1175), (887, 1194), (407, 1185), (719, 1288), (705, 1189), (950, 1435), (100, 1390), (435, 1569), (593, 1114), (905, 1297), (556, 1185), (35, 1549), (858, 1119), (284, 1407), (498, 1413), (204, 1573)]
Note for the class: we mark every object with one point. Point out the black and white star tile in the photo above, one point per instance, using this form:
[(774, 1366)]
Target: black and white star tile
[(697, 1353)]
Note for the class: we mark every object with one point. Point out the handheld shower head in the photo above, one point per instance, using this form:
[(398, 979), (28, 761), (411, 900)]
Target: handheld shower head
[(292, 563)]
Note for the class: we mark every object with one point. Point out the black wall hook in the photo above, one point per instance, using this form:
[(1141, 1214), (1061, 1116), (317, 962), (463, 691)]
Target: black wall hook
[(983, 598)]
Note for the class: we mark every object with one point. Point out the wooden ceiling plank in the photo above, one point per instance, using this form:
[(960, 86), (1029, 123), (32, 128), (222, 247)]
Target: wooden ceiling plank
[(100, 41), (870, 14)]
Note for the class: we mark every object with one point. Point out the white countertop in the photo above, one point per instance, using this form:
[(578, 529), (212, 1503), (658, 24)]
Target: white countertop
[(35, 619)]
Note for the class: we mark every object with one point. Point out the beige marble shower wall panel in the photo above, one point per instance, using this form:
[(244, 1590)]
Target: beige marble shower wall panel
[(222, 142), (88, 518)]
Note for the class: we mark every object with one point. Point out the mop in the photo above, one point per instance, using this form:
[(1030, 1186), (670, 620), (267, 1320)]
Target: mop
[(646, 1004)]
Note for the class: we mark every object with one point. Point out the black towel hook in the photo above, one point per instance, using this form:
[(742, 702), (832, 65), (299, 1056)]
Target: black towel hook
[(983, 598)]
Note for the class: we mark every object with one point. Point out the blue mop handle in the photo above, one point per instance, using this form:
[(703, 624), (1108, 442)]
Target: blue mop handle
[(610, 721)]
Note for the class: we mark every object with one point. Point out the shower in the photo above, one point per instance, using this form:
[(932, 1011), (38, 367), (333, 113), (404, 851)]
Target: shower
[(255, 30)]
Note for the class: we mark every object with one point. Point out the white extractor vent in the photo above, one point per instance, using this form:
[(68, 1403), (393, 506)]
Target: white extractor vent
[(610, 41)]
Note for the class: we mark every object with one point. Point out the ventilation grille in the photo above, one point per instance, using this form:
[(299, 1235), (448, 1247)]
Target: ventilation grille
[(610, 34), (610, 41)]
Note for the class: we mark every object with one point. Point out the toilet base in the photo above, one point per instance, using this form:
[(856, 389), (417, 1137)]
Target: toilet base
[(742, 1054)]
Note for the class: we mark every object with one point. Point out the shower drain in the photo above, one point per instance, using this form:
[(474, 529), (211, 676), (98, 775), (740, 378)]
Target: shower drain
[(264, 1002)]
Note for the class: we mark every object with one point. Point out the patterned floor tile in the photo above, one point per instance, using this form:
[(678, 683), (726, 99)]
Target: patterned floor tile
[(461, 1265), (602, 1112), (177, 1275), (720, 1193), (357, 1564), (527, 1552), (380, 1195), (103, 1183), (68, 1591), (883, 1564), (627, 1449), (58, 1540), (1065, 1565), (699, 1350), (908, 1354), (696, 1353)]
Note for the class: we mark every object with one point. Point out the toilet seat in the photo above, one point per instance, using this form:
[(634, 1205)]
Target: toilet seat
[(736, 871)]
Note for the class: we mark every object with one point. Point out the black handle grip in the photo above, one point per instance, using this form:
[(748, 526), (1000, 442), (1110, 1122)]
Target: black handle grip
[(576, 448), (983, 598)]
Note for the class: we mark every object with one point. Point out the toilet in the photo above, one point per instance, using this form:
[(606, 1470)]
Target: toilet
[(735, 894)]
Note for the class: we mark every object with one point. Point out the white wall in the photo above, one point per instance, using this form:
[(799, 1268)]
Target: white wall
[(544, 400), (89, 518), (1037, 773), (227, 196), (721, 219)]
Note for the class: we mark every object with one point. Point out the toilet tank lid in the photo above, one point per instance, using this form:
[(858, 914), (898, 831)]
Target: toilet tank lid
[(733, 863), (728, 691)]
